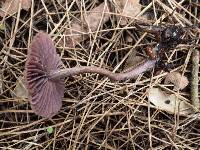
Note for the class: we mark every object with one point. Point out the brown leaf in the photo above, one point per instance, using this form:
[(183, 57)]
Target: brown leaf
[(169, 102), (128, 8), (20, 89), (78, 30), (132, 61), (179, 81), (97, 16), (75, 34), (10, 7)]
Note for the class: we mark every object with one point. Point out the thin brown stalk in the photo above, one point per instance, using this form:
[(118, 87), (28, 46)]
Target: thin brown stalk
[(194, 79)]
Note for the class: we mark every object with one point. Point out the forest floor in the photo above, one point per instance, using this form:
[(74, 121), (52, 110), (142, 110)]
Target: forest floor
[(158, 109)]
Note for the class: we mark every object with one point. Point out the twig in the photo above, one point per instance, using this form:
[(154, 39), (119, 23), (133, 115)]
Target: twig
[(194, 83)]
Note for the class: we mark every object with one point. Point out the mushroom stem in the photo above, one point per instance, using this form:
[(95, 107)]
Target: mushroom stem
[(132, 73)]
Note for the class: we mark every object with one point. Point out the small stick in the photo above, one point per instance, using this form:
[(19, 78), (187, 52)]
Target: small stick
[(194, 83)]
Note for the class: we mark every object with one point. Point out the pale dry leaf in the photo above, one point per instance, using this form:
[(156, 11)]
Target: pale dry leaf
[(20, 88), (92, 19), (129, 65), (129, 61), (75, 34), (128, 8), (2, 27), (169, 102), (129, 38), (179, 81), (132, 60), (97, 16), (10, 7)]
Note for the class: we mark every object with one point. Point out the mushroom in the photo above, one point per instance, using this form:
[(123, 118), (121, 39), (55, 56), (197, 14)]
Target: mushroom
[(45, 94), (45, 79)]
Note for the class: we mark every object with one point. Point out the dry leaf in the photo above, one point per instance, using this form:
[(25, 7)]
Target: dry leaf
[(75, 34), (128, 8), (132, 61), (20, 89), (169, 103), (10, 7), (179, 81), (2, 27), (78, 30), (97, 16), (129, 38)]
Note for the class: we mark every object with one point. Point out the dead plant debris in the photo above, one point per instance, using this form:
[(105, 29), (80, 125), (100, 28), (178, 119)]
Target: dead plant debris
[(91, 22), (97, 113), (179, 81), (10, 7)]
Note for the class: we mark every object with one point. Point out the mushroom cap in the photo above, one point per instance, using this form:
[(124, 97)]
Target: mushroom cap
[(45, 94)]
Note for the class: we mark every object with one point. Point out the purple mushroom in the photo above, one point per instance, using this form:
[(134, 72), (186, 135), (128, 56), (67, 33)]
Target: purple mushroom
[(45, 79), (45, 94)]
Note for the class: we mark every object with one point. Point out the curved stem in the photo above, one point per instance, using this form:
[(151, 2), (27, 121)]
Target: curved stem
[(147, 65)]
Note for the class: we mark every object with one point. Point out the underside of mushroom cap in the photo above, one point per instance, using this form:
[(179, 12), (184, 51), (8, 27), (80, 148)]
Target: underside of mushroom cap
[(45, 94)]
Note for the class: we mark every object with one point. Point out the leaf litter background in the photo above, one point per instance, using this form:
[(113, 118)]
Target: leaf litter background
[(96, 112)]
